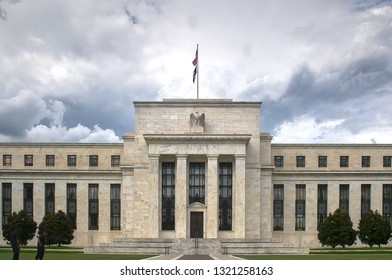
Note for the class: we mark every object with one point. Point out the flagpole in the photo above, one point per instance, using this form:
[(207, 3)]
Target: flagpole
[(198, 73)]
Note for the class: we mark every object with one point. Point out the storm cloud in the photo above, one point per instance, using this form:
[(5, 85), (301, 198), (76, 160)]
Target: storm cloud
[(70, 70)]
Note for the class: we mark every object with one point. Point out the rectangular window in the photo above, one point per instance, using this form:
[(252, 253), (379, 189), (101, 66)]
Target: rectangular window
[(279, 161), (7, 160), (387, 201), (278, 207), (71, 160), (322, 200), (387, 161), (344, 196), (197, 182), (365, 161), (365, 199), (115, 161), (6, 195), (322, 161), (225, 195), (300, 161), (93, 209), (28, 160), (49, 198), (115, 206), (93, 160), (49, 160), (28, 198), (71, 203), (168, 195), (300, 200), (343, 161)]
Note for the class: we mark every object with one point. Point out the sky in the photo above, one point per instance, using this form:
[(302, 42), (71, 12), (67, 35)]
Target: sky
[(70, 70)]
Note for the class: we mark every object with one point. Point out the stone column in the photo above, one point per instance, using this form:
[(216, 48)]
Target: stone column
[(266, 202), (181, 197), (127, 200), (154, 205), (239, 197), (212, 197)]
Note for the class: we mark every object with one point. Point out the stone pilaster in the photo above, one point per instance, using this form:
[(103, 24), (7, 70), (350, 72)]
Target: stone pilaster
[(212, 197), (239, 197), (154, 205), (266, 202), (181, 197)]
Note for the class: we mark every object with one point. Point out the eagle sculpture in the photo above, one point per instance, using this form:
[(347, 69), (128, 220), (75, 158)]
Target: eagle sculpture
[(197, 120)]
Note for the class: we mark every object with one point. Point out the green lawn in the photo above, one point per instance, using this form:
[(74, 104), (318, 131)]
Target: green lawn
[(331, 254), (53, 254)]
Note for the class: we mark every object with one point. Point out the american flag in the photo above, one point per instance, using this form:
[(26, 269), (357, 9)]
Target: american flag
[(194, 62)]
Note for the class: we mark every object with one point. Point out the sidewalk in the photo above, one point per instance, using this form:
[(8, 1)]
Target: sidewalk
[(195, 257)]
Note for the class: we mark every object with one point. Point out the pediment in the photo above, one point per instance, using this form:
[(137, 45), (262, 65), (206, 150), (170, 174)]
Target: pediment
[(197, 205)]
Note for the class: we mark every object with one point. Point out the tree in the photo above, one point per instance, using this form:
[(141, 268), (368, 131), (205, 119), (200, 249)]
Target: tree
[(24, 222), (337, 229), (58, 227), (374, 229)]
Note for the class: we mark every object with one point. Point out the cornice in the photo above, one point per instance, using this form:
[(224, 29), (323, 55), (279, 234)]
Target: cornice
[(196, 138)]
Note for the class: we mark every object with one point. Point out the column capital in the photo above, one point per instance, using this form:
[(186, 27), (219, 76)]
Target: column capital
[(153, 156), (212, 156), (181, 156), (240, 156)]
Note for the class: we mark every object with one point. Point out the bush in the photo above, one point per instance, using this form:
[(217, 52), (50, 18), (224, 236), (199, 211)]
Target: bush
[(58, 228), (374, 229), (24, 222), (337, 229)]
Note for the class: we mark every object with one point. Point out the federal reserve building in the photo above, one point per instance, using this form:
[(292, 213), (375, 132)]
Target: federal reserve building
[(196, 169)]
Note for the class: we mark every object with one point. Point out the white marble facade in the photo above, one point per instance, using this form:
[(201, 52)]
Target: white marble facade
[(183, 132)]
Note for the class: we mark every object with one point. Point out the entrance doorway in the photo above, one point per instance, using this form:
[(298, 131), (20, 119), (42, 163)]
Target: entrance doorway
[(197, 223)]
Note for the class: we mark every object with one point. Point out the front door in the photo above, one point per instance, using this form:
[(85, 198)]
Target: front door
[(197, 224)]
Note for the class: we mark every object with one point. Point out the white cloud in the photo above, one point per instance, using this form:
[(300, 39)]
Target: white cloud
[(66, 66)]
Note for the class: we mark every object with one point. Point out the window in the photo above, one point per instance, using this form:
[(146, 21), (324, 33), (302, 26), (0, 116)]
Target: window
[(387, 201), (93, 207), (225, 195), (168, 195), (6, 201), (387, 161), (300, 161), (28, 160), (71, 204), (115, 161), (196, 182), (278, 207), (93, 160), (279, 161), (322, 161), (115, 206), (365, 199), (365, 161), (49, 198), (7, 160), (28, 198), (71, 160), (49, 160), (322, 199), (343, 161), (344, 198), (300, 200)]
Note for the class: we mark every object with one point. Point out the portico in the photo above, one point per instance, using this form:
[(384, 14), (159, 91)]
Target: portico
[(200, 217)]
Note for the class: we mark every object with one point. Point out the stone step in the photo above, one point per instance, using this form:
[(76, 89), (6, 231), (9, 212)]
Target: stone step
[(195, 246)]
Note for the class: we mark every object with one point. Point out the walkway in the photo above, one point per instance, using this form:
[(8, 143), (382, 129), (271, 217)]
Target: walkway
[(195, 257)]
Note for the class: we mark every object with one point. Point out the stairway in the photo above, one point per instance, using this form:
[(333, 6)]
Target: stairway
[(160, 246)]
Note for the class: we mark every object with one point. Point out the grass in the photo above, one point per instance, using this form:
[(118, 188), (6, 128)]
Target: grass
[(63, 254), (331, 254)]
